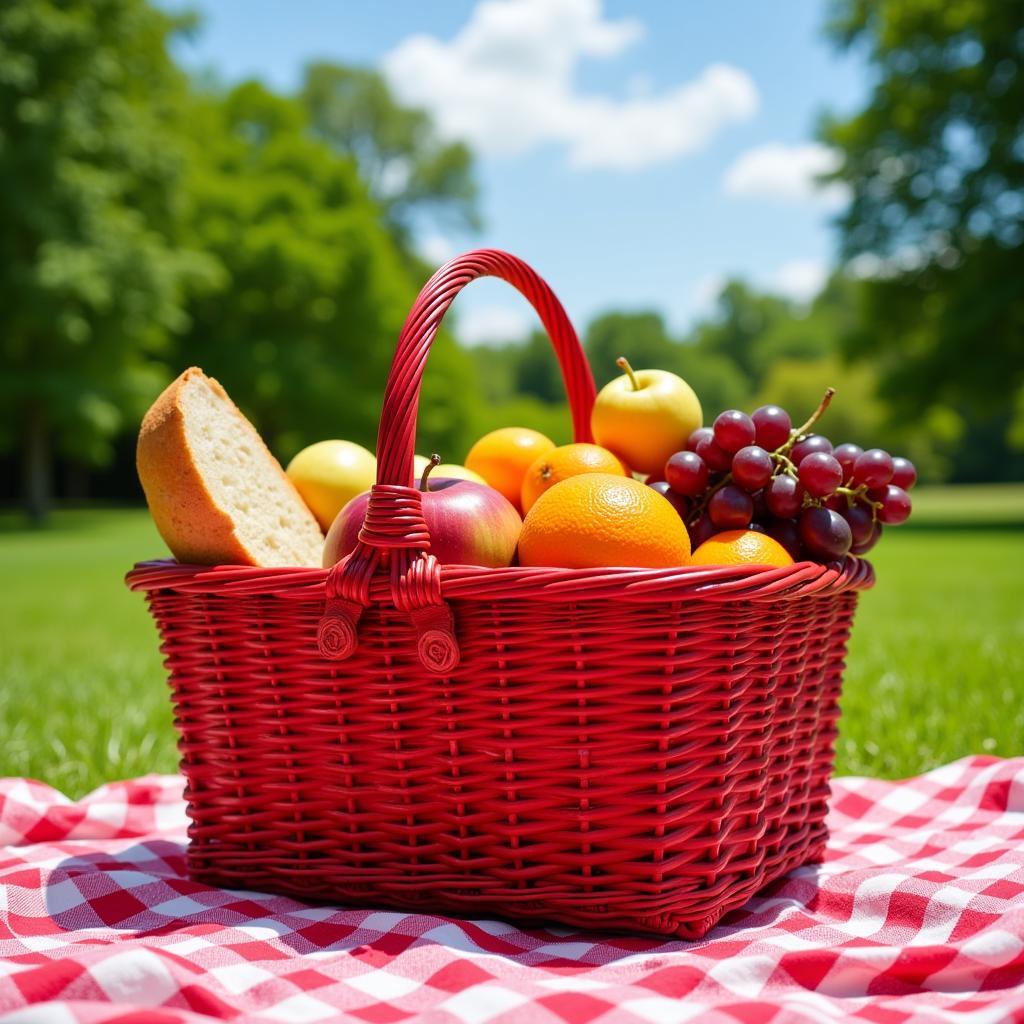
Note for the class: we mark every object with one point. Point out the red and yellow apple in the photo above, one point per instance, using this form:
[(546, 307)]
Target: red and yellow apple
[(469, 524)]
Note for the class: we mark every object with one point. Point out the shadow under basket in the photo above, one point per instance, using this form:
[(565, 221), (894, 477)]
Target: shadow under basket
[(620, 749)]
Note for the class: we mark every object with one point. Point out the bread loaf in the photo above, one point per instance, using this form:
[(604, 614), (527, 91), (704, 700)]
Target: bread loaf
[(215, 492)]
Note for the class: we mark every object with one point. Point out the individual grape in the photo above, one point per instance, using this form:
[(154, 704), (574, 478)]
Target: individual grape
[(700, 531), (717, 459), (733, 430), (784, 497), (820, 474), (787, 533), (677, 501), (895, 504), (761, 513), (752, 467), (846, 456), (873, 467), (697, 436), (903, 473), (811, 443), (861, 523), (730, 508), (687, 474), (870, 542), (772, 425), (825, 534)]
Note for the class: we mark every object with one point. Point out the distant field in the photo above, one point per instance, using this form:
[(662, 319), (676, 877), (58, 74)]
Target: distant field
[(968, 505), (936, 667)]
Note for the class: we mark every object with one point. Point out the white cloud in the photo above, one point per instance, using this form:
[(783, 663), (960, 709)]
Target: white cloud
[(435, 249), (504, 83), (487, 324), (800, 280), (788, 172)]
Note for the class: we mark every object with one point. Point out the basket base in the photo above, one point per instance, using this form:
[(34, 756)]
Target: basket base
[(530, 908)]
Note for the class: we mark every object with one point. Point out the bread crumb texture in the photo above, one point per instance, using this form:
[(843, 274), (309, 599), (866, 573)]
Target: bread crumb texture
[(216, 492)]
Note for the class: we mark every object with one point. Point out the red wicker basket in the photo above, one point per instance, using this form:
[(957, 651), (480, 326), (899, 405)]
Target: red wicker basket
[(616, 748)]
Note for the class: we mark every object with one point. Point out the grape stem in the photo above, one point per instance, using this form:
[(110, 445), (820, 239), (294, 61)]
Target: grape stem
[(788, 466), (800, 431)]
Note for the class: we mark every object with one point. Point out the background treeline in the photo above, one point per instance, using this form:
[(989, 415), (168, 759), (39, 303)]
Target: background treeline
[(149, 222)]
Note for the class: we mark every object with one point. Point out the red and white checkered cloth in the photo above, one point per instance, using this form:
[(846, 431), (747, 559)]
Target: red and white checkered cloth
[(917, 914)]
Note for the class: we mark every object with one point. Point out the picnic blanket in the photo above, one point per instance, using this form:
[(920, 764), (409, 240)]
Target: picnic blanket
[(917, 914)]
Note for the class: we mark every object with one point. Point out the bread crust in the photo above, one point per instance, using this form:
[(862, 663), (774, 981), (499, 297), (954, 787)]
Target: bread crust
[(191, 523)]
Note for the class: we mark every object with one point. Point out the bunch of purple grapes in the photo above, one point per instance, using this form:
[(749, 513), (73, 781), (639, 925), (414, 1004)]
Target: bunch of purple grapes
[(757, 473)]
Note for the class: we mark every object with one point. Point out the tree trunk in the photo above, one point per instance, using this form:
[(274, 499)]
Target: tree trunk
[(37, 478)]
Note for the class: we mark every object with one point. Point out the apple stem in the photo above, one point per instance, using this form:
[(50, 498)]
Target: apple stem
[(623, 364), (435, 460)]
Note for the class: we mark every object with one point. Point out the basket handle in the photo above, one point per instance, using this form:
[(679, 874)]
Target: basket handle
[(394, 520)]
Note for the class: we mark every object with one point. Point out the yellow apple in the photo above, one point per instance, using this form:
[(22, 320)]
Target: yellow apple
[(645, 416), (448, 469), (329, 474)]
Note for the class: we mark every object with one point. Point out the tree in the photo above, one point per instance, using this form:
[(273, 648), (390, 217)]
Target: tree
[(90, 174), (936, 219), (408, 169), (314, 289), (742, 318)]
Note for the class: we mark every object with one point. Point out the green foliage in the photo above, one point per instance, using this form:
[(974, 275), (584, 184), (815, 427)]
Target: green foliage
[(407, 168), (935, 166), (90, 283), (743, 318), (312, 290)]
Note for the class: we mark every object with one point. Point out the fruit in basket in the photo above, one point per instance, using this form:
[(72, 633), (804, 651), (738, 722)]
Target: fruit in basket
[(215, 492), (452, 470), (601, 519), (503, 456), (560, 464), (469, 523), (329, 474), (741, 547), (759, 473), (645, 416)]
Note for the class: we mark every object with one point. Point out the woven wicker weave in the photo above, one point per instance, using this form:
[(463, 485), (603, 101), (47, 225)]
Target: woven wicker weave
[(628, 749)]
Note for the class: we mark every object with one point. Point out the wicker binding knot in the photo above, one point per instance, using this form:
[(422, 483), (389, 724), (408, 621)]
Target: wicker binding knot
[(436, 645), (394, 518), (336, 636)]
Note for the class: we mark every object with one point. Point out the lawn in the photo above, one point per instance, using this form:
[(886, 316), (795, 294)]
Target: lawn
[(936, 666)]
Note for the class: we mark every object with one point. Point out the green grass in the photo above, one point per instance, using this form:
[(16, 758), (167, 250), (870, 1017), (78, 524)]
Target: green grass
[(936, 666), (968, 506)]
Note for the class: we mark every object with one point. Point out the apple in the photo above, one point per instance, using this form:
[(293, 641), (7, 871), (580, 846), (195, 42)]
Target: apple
[(329, 474), (469, 523), (449, 469), (645, 416)]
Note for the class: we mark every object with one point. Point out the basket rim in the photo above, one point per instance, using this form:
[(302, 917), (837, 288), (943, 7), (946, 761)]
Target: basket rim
[(467, 582)]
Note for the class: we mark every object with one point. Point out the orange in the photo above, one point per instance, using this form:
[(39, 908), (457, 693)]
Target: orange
[(602, 519), (741, 547), (503, 456), (561, 463)]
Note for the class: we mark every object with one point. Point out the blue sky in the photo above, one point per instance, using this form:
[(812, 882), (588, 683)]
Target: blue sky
[(635, 153)]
